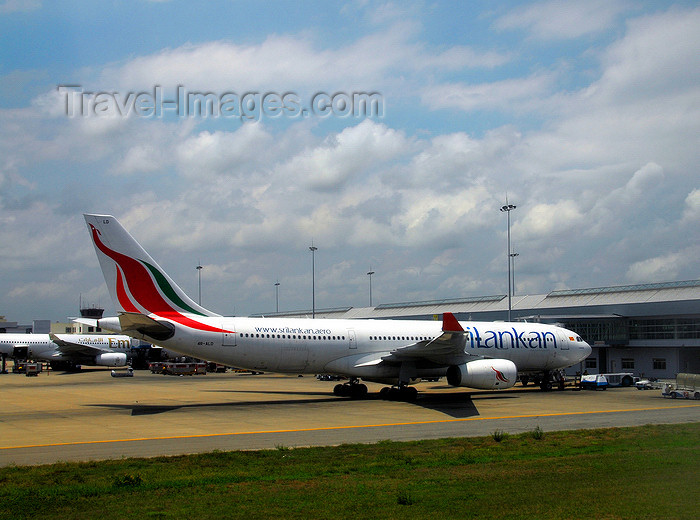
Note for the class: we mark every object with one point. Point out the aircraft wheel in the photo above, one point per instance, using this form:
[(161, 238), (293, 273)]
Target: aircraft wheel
[(358, 391), (389, 393), (409, 393), (338, 390), (404, 393)]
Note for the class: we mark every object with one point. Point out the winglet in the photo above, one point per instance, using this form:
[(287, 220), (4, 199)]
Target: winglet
[(450, 323)]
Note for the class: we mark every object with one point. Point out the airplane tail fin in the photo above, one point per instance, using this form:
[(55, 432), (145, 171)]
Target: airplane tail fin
[(136, 283)]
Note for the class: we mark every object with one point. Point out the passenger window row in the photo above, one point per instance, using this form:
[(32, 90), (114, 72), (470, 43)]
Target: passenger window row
[(397, 338), (292, 336)]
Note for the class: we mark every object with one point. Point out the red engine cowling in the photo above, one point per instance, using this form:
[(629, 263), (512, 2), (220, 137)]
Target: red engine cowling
[(485, 374), (111, 359)]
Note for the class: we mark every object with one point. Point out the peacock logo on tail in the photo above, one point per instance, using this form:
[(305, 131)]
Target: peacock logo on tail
[(143, 288)]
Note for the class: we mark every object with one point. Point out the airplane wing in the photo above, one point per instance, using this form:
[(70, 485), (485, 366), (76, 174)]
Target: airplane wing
[(447, 349), (68, 347)]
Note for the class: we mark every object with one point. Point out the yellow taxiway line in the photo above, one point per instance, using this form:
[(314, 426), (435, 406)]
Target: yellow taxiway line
[(326, 428)]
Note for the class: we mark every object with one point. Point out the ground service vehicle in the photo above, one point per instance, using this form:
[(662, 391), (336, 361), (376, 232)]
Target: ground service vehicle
[(182, 369), (620, 379), (129, 372), (687, 387), (594, 382), (647, 384)]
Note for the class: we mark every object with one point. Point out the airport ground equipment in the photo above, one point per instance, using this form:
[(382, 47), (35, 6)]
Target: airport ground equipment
[(648, 384), (687, 386), (129, 372), (620, 378), (179, 369), (32, 369), (594, 382)]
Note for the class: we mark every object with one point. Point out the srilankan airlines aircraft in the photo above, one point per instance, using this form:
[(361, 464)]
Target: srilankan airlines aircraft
[(484, 355), (68, 350)]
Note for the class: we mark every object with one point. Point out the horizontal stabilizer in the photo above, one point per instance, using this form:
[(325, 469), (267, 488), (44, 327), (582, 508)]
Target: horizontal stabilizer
[(133, 321), (111, 323)]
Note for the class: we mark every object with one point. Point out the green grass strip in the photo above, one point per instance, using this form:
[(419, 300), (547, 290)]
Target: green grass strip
[(646, 472)]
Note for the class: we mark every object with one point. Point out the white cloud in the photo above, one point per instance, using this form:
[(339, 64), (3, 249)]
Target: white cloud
[(354, 152), (547, 220), (500, 95), (670, 266), (19, 6), (691, 212), (605, 186), (287, 62), (563, 19), (232, 154), (657, 57), (622, 207)]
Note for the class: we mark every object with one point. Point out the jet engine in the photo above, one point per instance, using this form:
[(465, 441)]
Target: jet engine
[(111, 359), (485, 374)]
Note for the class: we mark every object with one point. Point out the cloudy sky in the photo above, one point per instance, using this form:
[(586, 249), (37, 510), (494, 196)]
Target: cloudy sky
[(586, 115)]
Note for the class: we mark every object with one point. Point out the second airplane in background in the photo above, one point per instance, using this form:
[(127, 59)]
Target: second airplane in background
[(485, 355), (68, 351)]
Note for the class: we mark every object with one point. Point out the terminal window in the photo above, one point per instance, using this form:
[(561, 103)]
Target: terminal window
[(665, 328), (591, 363), (627, 364), (659, 364)]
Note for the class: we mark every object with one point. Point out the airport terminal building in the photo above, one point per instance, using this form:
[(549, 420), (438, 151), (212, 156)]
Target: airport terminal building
[(652, 330)]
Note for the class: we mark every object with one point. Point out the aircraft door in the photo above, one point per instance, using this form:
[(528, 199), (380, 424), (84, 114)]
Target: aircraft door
[(352, 339), (564, 339), (229, 338)]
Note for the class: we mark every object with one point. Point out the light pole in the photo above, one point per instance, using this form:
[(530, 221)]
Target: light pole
[(313, 250), (370, 273), (277, 296), (199, 276), (507, 209), (512, 261)]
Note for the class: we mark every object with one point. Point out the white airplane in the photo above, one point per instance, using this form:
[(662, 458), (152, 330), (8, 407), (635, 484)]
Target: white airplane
[(68, 350), (484, 355)]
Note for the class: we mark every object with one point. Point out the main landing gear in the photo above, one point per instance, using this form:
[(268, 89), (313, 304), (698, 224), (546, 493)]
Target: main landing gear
[(399, 393), (352, 389), (356, 390)]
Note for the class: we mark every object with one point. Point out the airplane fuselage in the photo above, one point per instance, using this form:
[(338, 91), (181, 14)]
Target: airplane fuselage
[(484, 355), (42, 347), (310, 346)]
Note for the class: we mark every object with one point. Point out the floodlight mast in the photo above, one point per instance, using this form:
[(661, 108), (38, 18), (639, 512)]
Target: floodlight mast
[(199, 276), (277, 296), (507, 208), (313, 250)]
